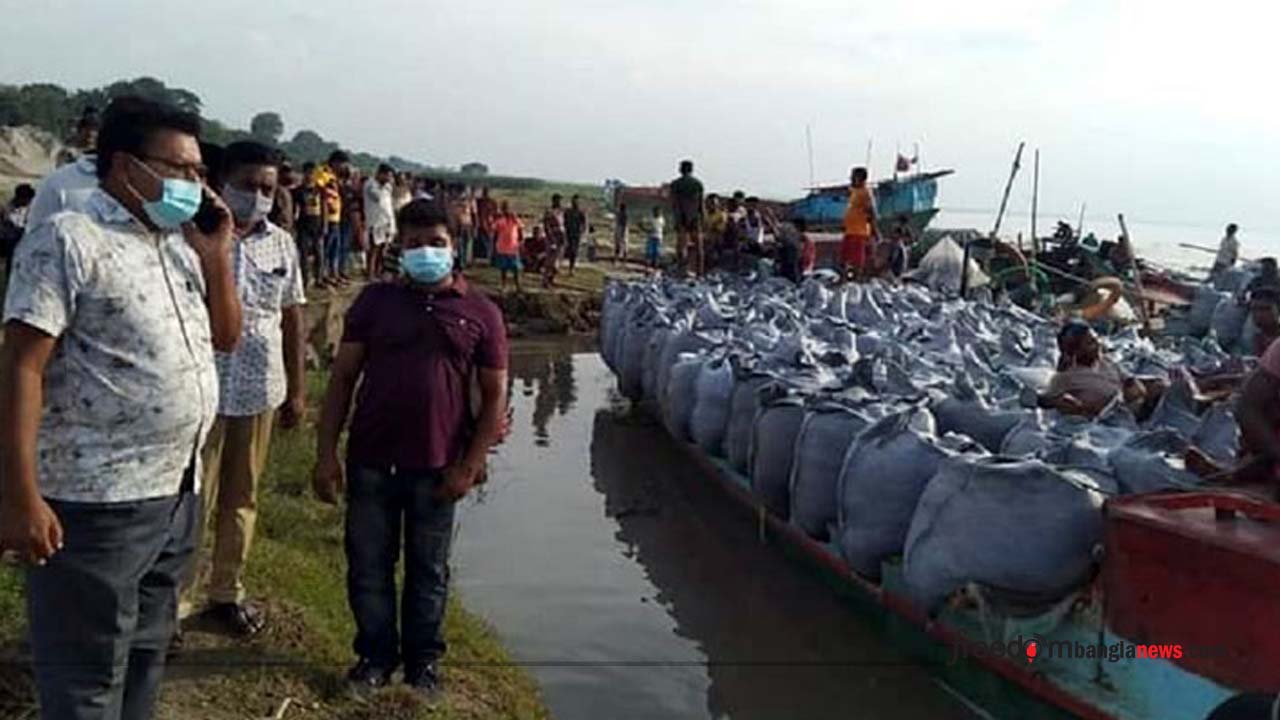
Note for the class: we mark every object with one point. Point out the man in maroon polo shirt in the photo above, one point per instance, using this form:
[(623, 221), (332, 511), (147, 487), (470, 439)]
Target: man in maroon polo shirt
[(414, 346)]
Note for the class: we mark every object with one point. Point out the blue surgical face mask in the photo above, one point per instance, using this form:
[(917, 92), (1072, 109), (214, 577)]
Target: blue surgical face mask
[(428, 265), (178, 203)]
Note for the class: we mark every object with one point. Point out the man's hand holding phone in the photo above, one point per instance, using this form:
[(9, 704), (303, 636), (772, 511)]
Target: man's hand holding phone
[(210, 231)]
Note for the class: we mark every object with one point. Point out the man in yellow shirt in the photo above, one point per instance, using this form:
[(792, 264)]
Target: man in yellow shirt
[(859, 228), (331, 247)]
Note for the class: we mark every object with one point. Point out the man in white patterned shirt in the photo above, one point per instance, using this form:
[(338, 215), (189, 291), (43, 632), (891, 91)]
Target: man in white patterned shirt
[(265, 371), (107, 392)]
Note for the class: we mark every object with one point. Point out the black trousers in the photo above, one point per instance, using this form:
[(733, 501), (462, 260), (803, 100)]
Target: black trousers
[(381, 507), (104, 608)]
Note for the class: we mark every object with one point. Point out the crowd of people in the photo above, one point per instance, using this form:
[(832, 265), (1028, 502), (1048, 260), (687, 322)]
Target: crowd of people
[(735, 233), (153, 344)]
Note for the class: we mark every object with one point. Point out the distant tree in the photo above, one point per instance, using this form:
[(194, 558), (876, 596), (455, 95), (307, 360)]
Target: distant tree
[(308, 145), (267, 127), (152, 89), (46, 106), (474, 169)]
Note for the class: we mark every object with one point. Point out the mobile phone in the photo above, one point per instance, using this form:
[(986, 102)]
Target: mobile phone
[(209, 217)]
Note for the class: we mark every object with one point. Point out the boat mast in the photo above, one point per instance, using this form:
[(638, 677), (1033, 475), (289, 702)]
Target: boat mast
[(1035, 201), (1004, 201), (808, 139)]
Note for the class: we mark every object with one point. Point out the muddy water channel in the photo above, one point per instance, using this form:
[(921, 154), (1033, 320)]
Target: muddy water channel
[(631, 589)]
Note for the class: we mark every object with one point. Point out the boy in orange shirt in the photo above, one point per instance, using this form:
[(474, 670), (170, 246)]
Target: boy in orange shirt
[(507, 229), (859, 228)]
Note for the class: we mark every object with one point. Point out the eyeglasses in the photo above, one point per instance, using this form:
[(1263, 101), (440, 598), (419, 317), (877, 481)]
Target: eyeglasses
[(190, 171)]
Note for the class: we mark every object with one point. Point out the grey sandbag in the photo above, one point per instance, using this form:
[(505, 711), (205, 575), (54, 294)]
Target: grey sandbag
[(1203, 305), (773, 446), (1152, 461), (882, 477), (1218, 434), (1017, 526), (1176, 409), (681, 385), (713, 396), (984, 424), (826, 435), (743, 408), (641, 323), (1228, 322), (652, 355), (683, 341)]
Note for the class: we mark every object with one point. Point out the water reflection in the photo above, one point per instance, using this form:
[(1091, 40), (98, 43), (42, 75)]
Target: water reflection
[(633, 590), (777, 643), (547, 376)]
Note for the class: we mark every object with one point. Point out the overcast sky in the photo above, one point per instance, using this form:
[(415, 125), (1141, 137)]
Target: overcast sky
[(1163, 110)]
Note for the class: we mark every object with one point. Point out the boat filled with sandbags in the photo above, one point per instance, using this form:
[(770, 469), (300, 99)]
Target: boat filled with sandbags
[(896, 435)]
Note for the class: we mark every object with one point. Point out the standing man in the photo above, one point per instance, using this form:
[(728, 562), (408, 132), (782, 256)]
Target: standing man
[(264, 373), (1228, 252), (686, 209), (83, 141), (107, 392), (508, 234), (415, 448), (486, 217), (328, 181), (859, 228), (283, 214), (309, 199), (575, 226), (554, 226), (379, 216), (620, 234)]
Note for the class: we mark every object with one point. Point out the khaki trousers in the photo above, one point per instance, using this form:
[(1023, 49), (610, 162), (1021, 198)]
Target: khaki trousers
[(234, 458)]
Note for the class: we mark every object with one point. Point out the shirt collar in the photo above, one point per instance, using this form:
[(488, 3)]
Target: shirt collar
[(457, 289), (109, 211), (88, 164)]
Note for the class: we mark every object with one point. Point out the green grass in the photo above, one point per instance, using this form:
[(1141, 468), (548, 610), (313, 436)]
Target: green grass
[(297, 570)]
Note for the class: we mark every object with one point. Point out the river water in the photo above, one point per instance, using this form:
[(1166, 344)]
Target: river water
[(631, 589)]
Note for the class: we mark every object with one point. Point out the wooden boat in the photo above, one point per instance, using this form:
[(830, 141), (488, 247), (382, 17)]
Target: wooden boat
[(913, 198), (1153, 589)]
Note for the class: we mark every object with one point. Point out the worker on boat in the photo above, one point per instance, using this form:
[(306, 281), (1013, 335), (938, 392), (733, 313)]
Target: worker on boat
[(1268, 277), (1086, 382), (859, 228), (1264, 310), (1258, 414), (1228, 252)]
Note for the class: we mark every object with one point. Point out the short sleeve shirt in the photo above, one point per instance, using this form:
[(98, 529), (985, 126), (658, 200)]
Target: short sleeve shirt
[(507, 228), (269, 279), (421, 351), (686, 196), (67, 188), (130, 390), (857, 217)]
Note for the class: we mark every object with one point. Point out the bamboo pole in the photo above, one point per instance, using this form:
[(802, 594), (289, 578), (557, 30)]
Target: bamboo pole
[(1080, 224), (1004, 201), (1035, 201), (1137, 274)]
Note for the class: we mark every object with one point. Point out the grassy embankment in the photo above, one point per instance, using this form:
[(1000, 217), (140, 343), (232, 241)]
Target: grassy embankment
[(297, 570)]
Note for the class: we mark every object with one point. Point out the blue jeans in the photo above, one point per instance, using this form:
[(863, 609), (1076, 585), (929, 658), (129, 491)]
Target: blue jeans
[(103, 610), (331, 247), (380, 506)]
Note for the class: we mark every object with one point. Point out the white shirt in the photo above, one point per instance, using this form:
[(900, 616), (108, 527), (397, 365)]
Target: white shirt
[(130, 390), (67, 188), (378, 208), (1228, 252), (659, 225), (269, 278)]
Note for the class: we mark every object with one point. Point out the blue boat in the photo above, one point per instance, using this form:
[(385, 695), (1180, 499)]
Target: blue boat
[(913, 198)]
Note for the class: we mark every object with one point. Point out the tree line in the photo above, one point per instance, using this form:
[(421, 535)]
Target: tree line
[(55, 109)]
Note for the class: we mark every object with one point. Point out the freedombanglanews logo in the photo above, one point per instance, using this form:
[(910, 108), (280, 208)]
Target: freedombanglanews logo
[(1035, 648)]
